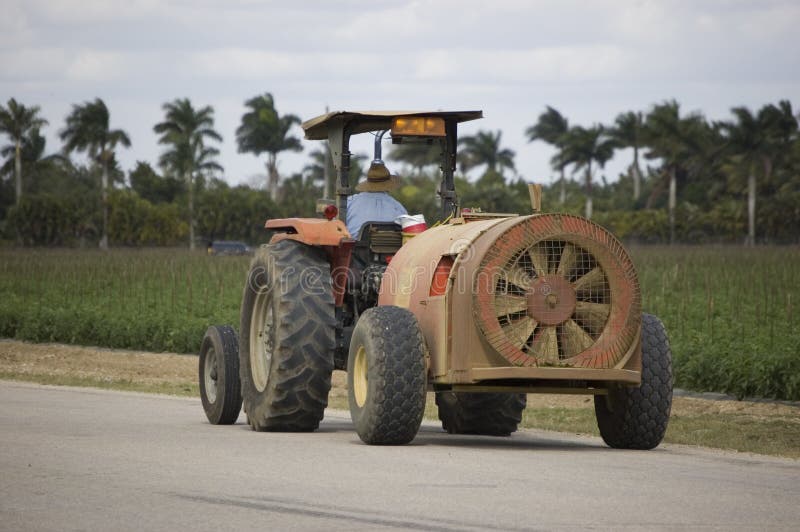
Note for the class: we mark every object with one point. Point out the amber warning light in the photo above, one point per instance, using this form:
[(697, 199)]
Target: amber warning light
[(421, 126)]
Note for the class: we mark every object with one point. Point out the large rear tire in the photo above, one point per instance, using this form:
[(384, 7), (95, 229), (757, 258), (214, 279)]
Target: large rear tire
[(386, 376), (488, 414), (220, 390), (287, 330), (636, 418)]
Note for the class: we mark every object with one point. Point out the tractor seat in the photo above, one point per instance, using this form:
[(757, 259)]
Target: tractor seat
[(380, 237)]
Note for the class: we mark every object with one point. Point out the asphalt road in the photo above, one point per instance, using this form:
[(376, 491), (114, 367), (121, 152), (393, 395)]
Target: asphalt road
[(83, 459)]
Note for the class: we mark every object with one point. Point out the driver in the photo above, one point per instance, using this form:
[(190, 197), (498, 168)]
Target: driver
[(373, 203)]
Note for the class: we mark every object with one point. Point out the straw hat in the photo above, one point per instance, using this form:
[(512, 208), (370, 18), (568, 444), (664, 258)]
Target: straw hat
[(378, 179)]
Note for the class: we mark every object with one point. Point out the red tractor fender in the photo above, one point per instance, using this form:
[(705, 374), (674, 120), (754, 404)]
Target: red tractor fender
[(331, 235), (311, 231)]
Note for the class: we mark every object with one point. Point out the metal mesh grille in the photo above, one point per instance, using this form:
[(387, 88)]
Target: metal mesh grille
[(558, 290), (541, 268)]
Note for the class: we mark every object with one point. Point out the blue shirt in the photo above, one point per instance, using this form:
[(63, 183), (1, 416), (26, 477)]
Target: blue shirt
[(371, 207)]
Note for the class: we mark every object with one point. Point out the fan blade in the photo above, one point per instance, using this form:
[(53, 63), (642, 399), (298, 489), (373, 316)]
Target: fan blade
[(519, 331), (518, 277), (593, 316), (538, 255), (567, 262), (594, 281), (546, 345), (574, 339), (508, 304)]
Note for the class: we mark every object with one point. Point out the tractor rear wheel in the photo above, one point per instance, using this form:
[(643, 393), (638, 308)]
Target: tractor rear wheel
[(488, 414), (636, 418), (220, 390), (288, 337), (386, 376)]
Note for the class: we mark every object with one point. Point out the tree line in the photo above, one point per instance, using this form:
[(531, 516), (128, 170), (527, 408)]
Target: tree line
[(755, 150), (63, 203), (735, 180), (689, 180)]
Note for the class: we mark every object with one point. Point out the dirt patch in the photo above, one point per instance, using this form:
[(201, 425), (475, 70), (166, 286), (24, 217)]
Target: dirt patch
[(750, 408), (110, 365), (339, 386)]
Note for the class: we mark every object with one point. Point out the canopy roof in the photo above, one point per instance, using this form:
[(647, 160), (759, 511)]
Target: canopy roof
[(363, 121)]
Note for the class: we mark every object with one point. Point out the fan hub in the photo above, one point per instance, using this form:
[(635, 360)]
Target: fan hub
[(551, 300)]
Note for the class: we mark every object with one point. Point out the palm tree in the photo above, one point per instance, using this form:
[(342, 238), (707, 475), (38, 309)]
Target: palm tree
[(88, 130), (675, 140), (263, 130), (321, 168), (185, 130), (417, 155), (18, 122), (755, 140), (627, 132), (32, 153), (582, 147), (786, 123), (552, 127), (484, 149)]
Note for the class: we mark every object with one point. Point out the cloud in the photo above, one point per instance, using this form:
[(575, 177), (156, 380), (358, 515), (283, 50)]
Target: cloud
[(398, 25), (33, 64), (14, 27), (64, 66), (712, 41), (543, 65), (98, 65), (253, 64), (87, 12)]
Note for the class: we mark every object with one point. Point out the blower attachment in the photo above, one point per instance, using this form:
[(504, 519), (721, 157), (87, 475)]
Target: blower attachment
[(558, 290)]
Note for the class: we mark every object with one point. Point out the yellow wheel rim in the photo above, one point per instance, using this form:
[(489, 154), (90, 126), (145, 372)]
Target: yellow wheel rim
[(360, 377)]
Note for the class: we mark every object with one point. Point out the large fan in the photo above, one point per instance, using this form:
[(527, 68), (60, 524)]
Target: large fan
[(552, 300)]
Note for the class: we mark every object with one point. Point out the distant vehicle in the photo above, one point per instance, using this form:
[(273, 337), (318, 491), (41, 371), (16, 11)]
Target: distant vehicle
[(228, 247)]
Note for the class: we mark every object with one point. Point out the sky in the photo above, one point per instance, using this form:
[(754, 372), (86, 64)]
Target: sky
[(590, 60)]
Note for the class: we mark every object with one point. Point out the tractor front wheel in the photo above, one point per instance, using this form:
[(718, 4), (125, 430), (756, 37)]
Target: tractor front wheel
[(220, 390), (386, 376)]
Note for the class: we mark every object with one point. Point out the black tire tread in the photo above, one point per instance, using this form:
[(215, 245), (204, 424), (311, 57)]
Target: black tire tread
[(637, 418), (225, 410), (396, 373), (487, 414), (300, 378)]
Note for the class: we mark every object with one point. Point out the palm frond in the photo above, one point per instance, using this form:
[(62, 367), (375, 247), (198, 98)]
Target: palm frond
[(185, 131)]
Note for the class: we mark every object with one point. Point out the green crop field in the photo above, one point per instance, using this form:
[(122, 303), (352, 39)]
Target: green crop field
[(149, 299), (732, 315), (731, 312)]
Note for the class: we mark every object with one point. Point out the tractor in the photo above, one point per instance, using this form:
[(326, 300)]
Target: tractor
[(480, 309)]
